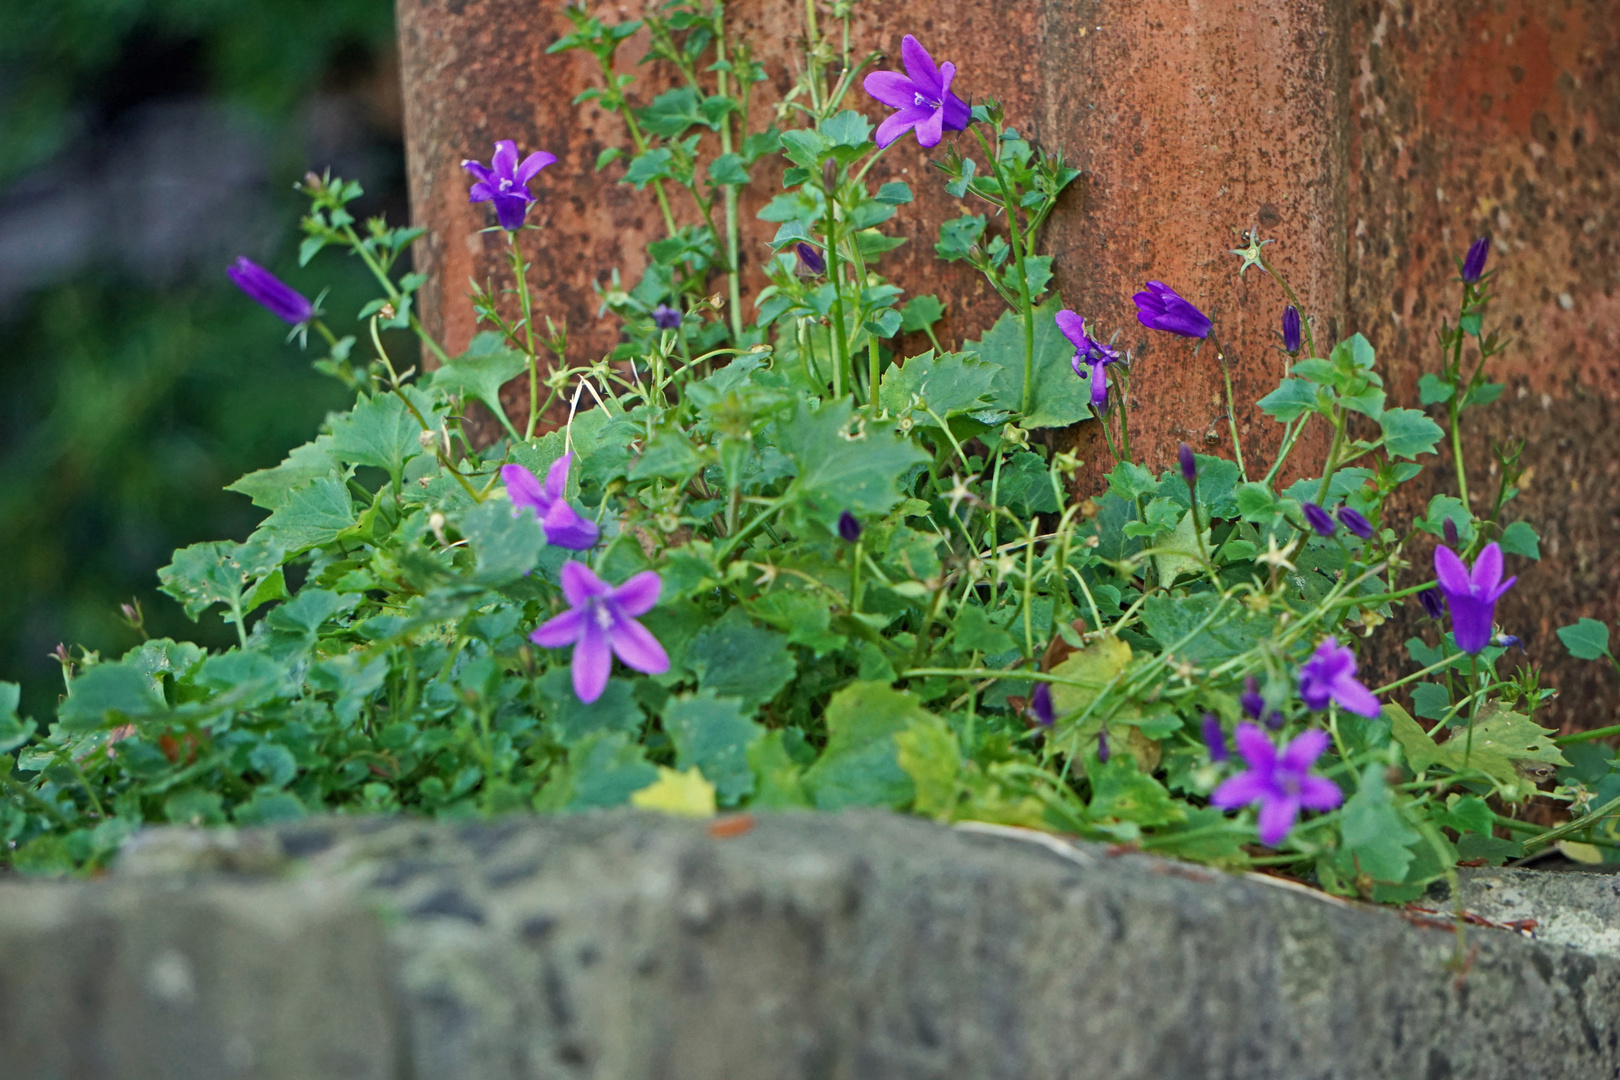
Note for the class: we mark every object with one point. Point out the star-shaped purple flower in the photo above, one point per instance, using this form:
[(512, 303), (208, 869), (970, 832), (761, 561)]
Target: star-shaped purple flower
[(562, 524), (1087, 351), (1159, 307), (1281, 784), (1330, 675), (601, 622), (1471, 595), (922, 95), (274, 295), (505, 182)]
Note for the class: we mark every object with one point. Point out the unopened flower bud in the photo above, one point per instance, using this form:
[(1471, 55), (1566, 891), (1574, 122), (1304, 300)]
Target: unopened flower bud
[(1449, 531), (1474, 262), (1189, 464), (1318, 519), (1215, 738), (849, 529), (1291, 330)]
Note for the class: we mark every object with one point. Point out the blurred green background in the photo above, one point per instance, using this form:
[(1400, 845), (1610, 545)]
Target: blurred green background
[(143, 143)]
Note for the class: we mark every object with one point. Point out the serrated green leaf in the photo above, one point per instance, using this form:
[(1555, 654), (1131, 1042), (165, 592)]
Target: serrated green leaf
[(648, 166), (894, 193), (1292, 399), (379, 431), (481, 371), (1520, 538), (860, 765), (920, 313), (672, 112), (714, 735), (974, 632), (1026, 485), (506, 541), (1236, 631), (1586, 640), (1122, 792), (1255, 502), (778, 779), (929, 754), (106, 695), (1375, 837), (1431, 701), (848, 128), (1500, 738), (949, 385), (311, 516), (270, 488), (734, 658), (842, 467), (1060, 397), (1408, 433), (728, 169), (669, 455), (1432, 390), (219, 572)]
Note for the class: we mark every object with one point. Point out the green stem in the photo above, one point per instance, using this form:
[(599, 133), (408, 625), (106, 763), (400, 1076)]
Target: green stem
[(1587, 736), (855, 579), (733, 259), (843, 371), (520, 269), (1339, 425), (1027, 308), (1574, 825), (1231, 406)]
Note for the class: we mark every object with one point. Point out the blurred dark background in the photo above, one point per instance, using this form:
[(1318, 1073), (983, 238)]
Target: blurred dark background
[(143, 144)]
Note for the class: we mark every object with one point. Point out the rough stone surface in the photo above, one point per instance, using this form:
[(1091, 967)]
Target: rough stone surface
[(624, 946), (1578, 909)]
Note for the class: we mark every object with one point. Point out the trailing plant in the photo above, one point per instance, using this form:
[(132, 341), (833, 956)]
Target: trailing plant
[(768, 562)]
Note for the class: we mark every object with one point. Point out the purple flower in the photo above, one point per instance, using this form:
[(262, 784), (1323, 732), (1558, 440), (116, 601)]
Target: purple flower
[(1474, 262), (1471, 595), (601, 622), (1353, 521), (276, 296), (849, 530), (811, 258), (1281, 784), (1330, 675), (1291, 330), (1189, 464), (1215, 738), (1318, 519), (562, 524), (1448, 530), (666, 318), (505, 182), (1507, 641), (1159, 307), (1253, 704), (1040, 704), (1433, 606), (923, 96), (1102, 747), (1087, 350), (1275, 720)]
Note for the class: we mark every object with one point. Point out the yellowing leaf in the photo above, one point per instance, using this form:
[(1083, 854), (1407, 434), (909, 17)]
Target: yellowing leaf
[(1500, 738), (1581, 853), (930, 756), (684, 794), (1179, 551), (1093, 667)]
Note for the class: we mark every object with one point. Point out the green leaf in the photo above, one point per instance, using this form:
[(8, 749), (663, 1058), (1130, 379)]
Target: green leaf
[(1026, 485), (269, 807), (1131, 481), (778, 779), (1431, 701), (1255, 502), (507, 541), (1037, 273), (1180, 552), (1520, 538), (928, 753), (481, 371), (1354, 353), (1375, 837), (1448, 507), (894, 193), (313, 515), (1483, 394), (648, 166), (669, 455), (958, 235), (603, 770), (107, 695), (270, 488), (974, 632), (14, 731), (571, 720), (728, 169), (1500, 738), (1292, 399), (1122, 792), (714, 735), (1235, 631), (219, 572), (1586, 640), (379, 431), (1408, 433), (803, 616), (848, 128), (274, 762), (920, 313), (950, 385), (860, 765), (842, 466), (885, 323), (1432, 390), (804, 148), (735, 658), (1060, 397), (672, 112)]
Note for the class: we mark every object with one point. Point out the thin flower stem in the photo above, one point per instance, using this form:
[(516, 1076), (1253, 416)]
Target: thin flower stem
[(1587, 736), (843, 372), (520, 269), (1027, 308), (1231, 406), (1573, 825)]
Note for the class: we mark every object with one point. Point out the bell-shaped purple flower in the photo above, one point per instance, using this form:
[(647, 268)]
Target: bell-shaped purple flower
[(1319, 519), (505, 182), (811, 258), (1474, 261), (1471, 595), (1188, 463), (1330, 675), (1291, 335), (1088, 352), (1448, 531), (1102, 747), (1215, 738), (1040, 705), (274, 295), (849, 530), (1353, 521), (1251, 700), (922, 95), (601, 623), (666, 318), (562, 524), (1159, 307), (1281, 783), (1433, 605)]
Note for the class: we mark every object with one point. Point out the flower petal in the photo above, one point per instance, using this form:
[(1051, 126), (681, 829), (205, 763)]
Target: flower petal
[(505, 159), (892, 89), (931, 130), (593, 662), (579, 584), (482, 191), (1277, 816), (947, 72), (1073, 327), (560, 631), (478, 169), (510, 211), (638, 595), (532, 165), (524, 489), (1099, 385), (1304, 749), (638, 648), (564, 528), (920, 66), (1354, 697), (1487, 573), (957, 113), (1319, 793), (1496, 593), (1450, 572), (1255, 746), (897, 125), (1240, 790), (557, 476)]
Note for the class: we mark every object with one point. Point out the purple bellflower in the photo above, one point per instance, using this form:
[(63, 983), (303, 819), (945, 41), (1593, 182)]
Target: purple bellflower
[(811, 258), (1353, 521), (1291, 336), (1188, 463), (1281, 783), (1215, 738), (601, 622), (1471, 595), (274, 295), (1040, 705), (1319, 519), (1087, 351), (1330, 675), (1474, 262), (922, 95), (1159, 307), (849, 529), (505, 182), (1102, 747), (1448, 531), (666, 318), (562, 524), (1433, 606), (1275, 720), (1253, 704)]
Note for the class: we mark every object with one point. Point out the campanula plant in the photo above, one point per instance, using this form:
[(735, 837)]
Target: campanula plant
[(799, 545)]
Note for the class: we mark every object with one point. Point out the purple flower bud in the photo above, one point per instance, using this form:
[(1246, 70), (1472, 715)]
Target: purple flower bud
[(1102, 747), (1275, 720), (1159, 307), (1355, 523), (1507, 641), (1291, 330), (811, 258), (276, 296), (1189, 464), (1449, 531), (666, 317), (1474, 263), (1433, 605), (1253, 704), (1215, 738), (1040, 704), (1318, 519), (850, 530)]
